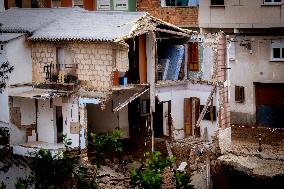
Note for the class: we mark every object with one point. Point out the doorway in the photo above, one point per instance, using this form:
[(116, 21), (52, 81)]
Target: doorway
[(59, 124), (269, 99)]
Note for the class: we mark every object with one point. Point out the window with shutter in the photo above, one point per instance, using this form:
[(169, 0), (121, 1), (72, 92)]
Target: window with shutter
[(193, 60), (239, 94)]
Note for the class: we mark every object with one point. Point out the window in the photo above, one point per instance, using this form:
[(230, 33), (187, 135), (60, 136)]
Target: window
[(271, 2), (210, 113), (18, 3), (120, 4), (34, 3), (193, 60), (232, 51), (178, 3), (239, 94), (103, 4), (277, 51), (217, 2)]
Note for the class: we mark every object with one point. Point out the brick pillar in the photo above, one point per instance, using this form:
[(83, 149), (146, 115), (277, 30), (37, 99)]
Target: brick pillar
[(66, 3), (89, 5)]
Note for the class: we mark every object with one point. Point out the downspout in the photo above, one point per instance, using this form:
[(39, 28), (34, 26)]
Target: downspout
[(36, 106)]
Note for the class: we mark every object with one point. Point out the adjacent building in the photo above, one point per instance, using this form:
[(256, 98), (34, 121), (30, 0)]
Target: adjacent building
[(255, 57)]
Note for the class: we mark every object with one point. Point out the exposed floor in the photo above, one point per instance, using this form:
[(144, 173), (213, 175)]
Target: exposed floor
[(254, 156)]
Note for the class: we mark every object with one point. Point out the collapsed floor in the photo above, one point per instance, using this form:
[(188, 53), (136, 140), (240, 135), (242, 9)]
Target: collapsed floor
[(208, 168)]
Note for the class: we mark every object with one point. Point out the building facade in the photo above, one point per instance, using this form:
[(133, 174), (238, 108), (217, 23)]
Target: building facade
[(255, 57), (183, 13)]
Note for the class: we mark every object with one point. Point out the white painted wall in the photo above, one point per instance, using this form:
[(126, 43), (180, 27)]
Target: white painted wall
[(104, 121), (4, 107), (240, 14), (19, 55), (67, 108), (177, 95), (45, 127), (253, 67), (2, 7)]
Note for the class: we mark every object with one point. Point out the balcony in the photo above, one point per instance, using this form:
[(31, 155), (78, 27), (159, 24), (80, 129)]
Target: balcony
[(26, 149), (61, 73)]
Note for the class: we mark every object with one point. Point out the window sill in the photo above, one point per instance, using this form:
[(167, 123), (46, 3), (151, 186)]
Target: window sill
[(240, 101), (280, 61), (271, 4), (217, 6)]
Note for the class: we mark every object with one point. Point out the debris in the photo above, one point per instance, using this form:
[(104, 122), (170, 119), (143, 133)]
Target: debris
[(182, 166)]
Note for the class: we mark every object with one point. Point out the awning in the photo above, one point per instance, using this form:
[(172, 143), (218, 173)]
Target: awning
[(130, 99), (41, 94)]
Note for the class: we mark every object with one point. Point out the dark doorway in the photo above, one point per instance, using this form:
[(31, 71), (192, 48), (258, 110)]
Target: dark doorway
[(269, 104), (59, 123), (134, 118), (158, 119)]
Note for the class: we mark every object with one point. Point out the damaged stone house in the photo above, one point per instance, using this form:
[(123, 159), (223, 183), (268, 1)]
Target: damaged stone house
[(78, 72)]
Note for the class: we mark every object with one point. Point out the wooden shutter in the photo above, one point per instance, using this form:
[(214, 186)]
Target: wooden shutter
[(191, 115), (187, 116), (239, 94), (193, 61)]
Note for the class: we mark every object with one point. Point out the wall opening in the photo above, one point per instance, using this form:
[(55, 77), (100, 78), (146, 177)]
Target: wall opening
[(59, 124)]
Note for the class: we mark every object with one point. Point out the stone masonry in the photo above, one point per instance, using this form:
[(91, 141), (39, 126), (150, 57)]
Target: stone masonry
[(96, 61), (180, 16)]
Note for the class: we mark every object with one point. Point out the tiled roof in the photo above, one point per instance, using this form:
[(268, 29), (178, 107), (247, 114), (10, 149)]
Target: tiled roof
[(104, 26), (77, 24), (29, 20), (5, 37)]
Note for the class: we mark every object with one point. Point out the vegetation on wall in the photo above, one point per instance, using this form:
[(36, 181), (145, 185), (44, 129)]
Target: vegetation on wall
[(5, 70)]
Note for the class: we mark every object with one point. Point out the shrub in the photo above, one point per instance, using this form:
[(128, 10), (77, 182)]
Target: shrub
[(106, 143), (149, 176), (183, 180)]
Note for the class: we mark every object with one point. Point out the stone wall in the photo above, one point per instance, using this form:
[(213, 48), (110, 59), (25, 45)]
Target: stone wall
[(180, 16), (95, 62)]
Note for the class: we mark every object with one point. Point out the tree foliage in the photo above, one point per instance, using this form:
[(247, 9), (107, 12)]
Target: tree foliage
[(5, 70)]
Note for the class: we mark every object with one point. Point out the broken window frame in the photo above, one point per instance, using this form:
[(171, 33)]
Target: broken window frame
[(210, 114), (239, 94), (277, 45)]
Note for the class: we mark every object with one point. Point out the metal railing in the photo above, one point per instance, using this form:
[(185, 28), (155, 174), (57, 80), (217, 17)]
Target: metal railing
[(61, 73)]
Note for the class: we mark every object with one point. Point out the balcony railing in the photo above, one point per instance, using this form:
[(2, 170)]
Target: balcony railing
[(61, 73)]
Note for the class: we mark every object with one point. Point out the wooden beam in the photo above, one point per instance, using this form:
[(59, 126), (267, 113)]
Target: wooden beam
[(136, 95), (206, 106), (172, 32)]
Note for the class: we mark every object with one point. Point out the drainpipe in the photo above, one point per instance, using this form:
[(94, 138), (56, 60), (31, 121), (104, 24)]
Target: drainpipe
[(152, 81), (36, 106)]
